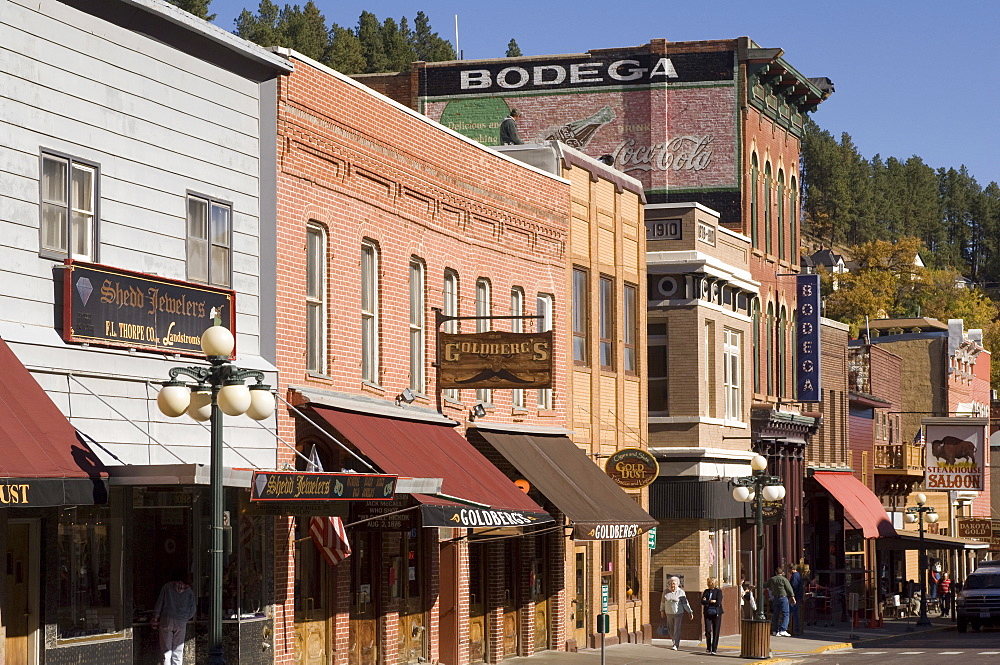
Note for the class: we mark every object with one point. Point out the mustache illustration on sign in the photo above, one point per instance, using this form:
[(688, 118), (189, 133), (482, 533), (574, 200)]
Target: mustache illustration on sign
[(497, 375)]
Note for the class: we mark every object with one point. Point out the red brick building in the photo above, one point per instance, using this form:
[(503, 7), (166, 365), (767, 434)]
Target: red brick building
[(382, 216)]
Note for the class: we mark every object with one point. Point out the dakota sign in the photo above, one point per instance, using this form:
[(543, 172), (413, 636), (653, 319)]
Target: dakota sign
[(633, 468), (495, 360), (974, 527), (954, 453), (321, 486), (114, 307)]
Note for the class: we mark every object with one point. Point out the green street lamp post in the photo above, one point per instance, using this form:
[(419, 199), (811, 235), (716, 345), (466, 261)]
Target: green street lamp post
[(920, 514), (214, 390), (758, 488)]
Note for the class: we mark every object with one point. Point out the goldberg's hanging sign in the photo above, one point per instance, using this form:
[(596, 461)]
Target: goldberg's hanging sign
[(954, 453), (495, 360), (298, 486), (633, 468), (807, 339), (113, 307)]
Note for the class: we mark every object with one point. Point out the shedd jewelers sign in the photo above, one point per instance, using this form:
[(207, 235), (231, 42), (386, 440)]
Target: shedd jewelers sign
[(495, 360), (114, 307)]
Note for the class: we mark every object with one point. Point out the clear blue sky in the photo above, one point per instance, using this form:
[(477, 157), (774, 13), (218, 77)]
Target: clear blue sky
[(916, 77)]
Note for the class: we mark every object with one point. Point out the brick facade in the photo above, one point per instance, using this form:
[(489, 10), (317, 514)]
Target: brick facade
[(363, 168)]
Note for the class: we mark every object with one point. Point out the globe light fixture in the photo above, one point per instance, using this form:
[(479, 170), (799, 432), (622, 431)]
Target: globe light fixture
[(213, 391), (756, 489), (920, 514)]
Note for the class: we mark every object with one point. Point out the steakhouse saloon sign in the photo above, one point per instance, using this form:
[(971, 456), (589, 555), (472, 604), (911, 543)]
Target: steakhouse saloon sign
[(495, 360)]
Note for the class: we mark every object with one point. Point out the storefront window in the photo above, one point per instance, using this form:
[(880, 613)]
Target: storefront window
[(633, 583), (608, 577), (90, 569), (243, 593)]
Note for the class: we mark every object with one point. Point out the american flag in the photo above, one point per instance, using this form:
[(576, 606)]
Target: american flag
[(330, 538), (919, 436)]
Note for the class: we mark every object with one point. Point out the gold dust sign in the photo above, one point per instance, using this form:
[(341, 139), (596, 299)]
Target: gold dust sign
[(633, 468), (495, 360)]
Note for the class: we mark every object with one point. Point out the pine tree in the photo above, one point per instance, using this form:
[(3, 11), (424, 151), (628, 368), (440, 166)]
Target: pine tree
[(428, 46), (261, 29), (396, 42), (344, 53), (197, 7), (304, 30), (372, 46), (513, 50)]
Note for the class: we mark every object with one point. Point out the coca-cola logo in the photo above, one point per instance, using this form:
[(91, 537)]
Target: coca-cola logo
[(683, 153)]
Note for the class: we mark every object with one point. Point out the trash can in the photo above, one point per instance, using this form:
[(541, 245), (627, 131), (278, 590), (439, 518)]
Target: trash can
[(755, 639)]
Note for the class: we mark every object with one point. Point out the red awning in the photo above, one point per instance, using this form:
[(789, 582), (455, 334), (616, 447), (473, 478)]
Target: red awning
[(429, 450), (40, 452), (861, 506)]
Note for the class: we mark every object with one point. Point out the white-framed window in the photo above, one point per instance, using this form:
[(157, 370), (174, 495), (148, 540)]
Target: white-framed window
[(68, 226), (544, 309), (606, 322), (484, 308), (581, 317), (732, 379), (630, 328), (369, 312), (418, 330), (316, 267), (450, 308), (209, 240), (517, 325)]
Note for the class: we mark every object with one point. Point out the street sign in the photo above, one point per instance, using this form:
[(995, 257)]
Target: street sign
[(604, 598), (651, 538)]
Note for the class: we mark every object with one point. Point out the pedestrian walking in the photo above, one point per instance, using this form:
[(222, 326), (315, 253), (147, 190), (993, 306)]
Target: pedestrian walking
[(175, 606), (798, 594), (673, 606), (711, 603), (782, 597), (748, 604), (944, 590)]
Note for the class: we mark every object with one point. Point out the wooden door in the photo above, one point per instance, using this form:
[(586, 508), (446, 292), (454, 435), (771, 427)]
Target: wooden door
[(579, 624), (539, 581), (412, 624), (478, 635), (449, 622), (312, 615), (365, 557), (20, 609), (511, 607)]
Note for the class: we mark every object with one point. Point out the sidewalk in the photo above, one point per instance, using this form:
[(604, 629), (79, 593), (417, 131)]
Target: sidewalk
[(815, 640)]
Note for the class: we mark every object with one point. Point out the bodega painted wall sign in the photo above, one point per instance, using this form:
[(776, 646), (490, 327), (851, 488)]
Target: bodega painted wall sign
[(113, 307), (321, 486), (632, 468), (807, 339), (495, 360)]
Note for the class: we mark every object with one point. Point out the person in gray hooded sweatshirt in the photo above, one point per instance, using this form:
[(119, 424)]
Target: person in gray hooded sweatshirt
[(175, 606)]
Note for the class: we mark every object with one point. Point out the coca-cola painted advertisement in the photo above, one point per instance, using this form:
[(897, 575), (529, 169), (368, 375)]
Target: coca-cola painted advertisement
[(670, 121)]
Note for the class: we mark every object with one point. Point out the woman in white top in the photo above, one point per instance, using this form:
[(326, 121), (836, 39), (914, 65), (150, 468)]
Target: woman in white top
[(673, 607)]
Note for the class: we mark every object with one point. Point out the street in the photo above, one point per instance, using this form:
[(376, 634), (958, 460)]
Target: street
[(940, 647)]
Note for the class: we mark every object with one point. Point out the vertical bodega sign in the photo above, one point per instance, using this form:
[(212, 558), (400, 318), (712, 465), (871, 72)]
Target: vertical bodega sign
[(807, 342)]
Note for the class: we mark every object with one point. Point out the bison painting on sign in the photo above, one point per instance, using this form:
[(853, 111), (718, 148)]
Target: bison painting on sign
[(954, 453)]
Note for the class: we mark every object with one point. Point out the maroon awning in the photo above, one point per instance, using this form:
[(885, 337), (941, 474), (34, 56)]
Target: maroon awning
[(43, 462), (861, 506), (428, 450)]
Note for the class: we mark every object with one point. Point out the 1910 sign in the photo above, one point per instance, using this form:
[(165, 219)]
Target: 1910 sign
[(115, 307), (495, 360)]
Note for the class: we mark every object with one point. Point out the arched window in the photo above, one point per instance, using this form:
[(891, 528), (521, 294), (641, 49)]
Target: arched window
[(781, 215), (782, 343), (754, 212), (793, 220), (756, 345), (769, 333), (768, 247)]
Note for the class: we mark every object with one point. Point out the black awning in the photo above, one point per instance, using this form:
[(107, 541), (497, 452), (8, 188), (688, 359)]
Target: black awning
[(597, 508), (694, 499)]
